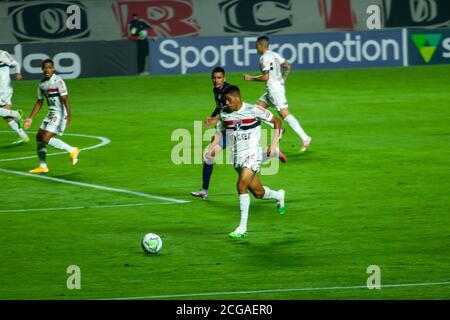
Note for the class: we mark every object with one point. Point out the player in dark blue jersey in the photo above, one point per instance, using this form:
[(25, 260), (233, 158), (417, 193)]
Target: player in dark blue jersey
[(219, 83), (219, 86)]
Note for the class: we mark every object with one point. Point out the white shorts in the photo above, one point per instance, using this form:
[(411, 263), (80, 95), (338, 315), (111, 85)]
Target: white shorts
[(251, 159), (276, 99), (5, 98), (55, 123)]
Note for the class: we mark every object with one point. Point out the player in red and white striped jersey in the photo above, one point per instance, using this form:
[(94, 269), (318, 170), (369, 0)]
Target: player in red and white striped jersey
[(12, 117), (242, 126), (54, 89), (274, 72)]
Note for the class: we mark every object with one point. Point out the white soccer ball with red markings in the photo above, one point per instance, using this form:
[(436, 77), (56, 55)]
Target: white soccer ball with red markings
[(151, 243)]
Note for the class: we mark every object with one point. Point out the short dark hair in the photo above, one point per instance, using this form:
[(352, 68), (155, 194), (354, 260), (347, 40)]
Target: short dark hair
[(233, 90), (218, 69), (47, 61), (263, 39)]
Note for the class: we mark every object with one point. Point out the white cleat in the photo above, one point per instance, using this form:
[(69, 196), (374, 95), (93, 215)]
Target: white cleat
[(200, 194), (306, 144), (280, 203)]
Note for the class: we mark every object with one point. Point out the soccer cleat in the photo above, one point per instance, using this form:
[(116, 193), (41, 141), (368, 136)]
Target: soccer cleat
[(280, 203), (281, 156), (237, 235), (306, 144), (39, 170), (200, 194), (21, 141), (74, 155), (19, 119)]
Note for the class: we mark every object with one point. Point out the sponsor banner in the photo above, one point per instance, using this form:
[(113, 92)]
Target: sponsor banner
[(77, 59), (303, 51), (47, 20), (416, 13), (428, 46), (167, 17)]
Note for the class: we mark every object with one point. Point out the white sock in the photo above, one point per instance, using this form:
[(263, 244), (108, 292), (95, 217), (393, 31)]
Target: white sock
[(8, 113), (295, 125), (42, 152), (13, 125), (59, 144), (270, 194), (244, 205)]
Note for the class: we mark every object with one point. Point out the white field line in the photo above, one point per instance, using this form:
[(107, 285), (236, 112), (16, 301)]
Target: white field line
[(94, 186), (280, 290), (83, 207), (103, 141)]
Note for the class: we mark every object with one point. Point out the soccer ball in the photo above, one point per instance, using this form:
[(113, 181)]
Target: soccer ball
[(151, 243)]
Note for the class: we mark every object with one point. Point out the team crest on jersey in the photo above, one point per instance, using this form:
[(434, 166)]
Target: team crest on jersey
[(237, 124)]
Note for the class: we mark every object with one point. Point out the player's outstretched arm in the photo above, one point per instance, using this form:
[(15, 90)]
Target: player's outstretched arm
[(277, 125), (286, 69), (216, 139), (37, 107), (211, 121), (263, 77), (66, 102)]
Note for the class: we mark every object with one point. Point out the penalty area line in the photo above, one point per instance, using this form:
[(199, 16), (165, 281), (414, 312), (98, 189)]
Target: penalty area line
[(280, 290), (94, 186)]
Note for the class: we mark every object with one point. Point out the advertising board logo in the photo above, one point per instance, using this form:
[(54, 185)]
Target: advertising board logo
[(337, 14), (426, 44), (256, 16), (46, 21), (416, 13), (167, 17), (423, 10)]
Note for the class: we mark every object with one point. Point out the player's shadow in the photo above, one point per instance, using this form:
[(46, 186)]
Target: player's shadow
[(69, 176)]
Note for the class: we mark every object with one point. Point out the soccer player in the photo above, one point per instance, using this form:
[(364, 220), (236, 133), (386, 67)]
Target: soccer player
[(12, 117), (274, 72), (53, 88), (242, 125), (219, 85)]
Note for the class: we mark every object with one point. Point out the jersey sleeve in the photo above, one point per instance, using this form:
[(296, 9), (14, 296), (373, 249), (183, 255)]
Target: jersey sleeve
[(215, 112), (9, 61), (62, 89), (280, 58), (220, 126), (265, 63), (263, 114)]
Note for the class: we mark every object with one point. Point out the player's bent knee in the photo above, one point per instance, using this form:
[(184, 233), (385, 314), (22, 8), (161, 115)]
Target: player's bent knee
[(242, 187), (258, 193)]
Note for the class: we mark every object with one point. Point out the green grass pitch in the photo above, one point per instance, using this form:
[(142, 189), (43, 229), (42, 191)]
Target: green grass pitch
[(372, 190)]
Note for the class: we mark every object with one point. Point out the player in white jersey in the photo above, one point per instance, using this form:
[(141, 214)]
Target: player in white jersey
[(219, 84), (12, 117), (54, 89), (274, 72), (242, 126)]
